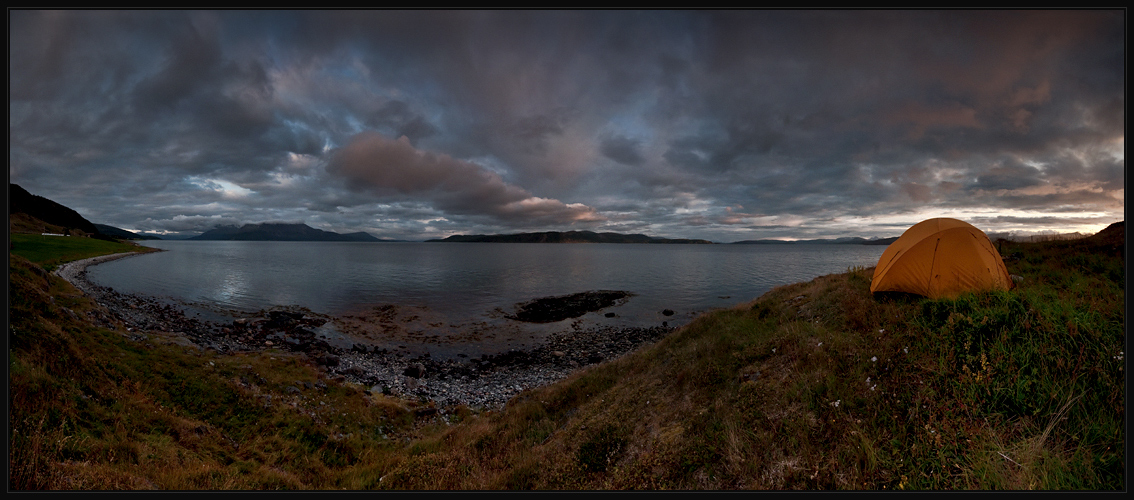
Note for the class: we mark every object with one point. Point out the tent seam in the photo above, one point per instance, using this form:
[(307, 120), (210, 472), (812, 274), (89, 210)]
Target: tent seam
[(932, 266)]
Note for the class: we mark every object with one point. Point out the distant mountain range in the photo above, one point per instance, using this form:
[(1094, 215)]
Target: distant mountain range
[(849, 240), (30, 213), (124, 234), (270, 231), (565, 237)]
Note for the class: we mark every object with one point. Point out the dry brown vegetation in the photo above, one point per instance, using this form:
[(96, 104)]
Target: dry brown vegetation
[(816, 385), (24, 223)]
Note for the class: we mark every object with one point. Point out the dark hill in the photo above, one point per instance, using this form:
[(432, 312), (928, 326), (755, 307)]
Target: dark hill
[(1111, 240), (24, 223), (21, 201), (279, 232), (1114, 234), (565, 237), (881, 241)]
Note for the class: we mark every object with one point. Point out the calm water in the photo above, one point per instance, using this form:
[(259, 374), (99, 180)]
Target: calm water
[(465, 283)]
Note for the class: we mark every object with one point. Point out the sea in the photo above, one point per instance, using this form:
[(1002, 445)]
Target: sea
[(447, 289)]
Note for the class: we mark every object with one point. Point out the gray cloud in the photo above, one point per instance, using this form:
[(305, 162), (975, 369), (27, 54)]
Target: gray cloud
[(395, 168), (622, 149), (1008, 176), (398, 117), (719, 124)]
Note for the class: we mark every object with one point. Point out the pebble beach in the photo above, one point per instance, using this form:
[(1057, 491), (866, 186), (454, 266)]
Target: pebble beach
[(476, 380)]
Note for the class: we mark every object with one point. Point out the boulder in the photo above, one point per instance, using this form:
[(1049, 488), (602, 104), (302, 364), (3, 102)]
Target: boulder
[(416, 370)]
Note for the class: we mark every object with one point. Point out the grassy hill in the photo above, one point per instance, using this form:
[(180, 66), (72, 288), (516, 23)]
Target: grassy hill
[(24, 223), (816, 385), (48, 211), (50, 251)]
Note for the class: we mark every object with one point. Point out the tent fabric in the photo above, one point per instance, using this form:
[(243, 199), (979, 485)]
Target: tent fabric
[(940, 258)]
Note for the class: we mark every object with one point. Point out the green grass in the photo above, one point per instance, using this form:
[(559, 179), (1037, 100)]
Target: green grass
[(816, 385), (821, 385), (93, 408), (51, 251)]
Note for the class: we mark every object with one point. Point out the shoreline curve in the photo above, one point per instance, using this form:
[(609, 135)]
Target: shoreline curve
[(487, 381)]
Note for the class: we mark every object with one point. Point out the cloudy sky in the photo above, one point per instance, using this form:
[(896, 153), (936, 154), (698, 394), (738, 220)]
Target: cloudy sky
[(718, 125)]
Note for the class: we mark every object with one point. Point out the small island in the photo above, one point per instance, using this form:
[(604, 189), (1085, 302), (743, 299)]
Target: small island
[(271, 231), (567, 237)]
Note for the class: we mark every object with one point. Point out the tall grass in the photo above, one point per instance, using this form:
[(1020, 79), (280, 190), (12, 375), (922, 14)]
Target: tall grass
[(816, 385), (94, 408), (821, 385)]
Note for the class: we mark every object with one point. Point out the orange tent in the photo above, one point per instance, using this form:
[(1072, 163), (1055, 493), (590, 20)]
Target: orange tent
[(940, 258)]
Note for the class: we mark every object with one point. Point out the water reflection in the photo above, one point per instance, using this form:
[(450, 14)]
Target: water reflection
[(465, 282), (233, 286)]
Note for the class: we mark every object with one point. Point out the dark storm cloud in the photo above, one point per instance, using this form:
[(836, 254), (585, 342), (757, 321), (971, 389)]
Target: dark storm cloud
[(1008, 176), (190, 67), (622, 149), (530, 134), (718, 124), (399, 118), (395, 168)]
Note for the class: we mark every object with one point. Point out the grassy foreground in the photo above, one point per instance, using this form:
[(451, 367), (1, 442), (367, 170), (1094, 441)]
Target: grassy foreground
[(51, 251), (815, 385)]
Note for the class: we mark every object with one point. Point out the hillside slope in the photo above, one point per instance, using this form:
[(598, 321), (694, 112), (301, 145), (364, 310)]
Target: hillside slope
[(20, 201), (819, 385), (815, 385)]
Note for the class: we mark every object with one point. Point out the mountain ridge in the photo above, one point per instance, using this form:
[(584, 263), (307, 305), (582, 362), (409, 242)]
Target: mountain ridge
[(49, 211), (274, 231), (124, 234)]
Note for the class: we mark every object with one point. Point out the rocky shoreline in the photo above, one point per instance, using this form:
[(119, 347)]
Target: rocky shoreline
[(486, 381)]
